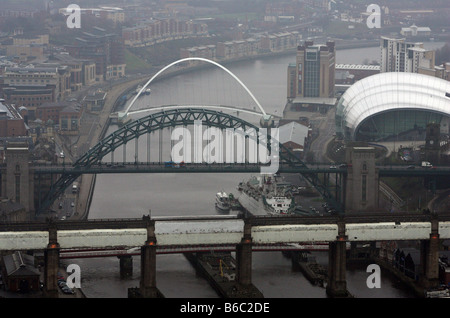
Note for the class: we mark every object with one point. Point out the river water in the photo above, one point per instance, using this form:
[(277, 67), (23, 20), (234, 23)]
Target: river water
[(131, 196)]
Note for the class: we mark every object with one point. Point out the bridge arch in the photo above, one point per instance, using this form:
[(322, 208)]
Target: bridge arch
[(123, 114), (148, 124)]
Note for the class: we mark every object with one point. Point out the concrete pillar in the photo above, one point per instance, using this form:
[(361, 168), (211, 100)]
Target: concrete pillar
[(148, 263), (126, 266), (429, 254), (337, 284), (244, 258), (51, 261)]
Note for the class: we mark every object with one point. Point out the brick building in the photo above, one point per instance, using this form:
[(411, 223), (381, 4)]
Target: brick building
[(31, 87), (12, 123)]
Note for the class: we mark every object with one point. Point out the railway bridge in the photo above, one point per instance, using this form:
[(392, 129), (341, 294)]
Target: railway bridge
[(151, 236)]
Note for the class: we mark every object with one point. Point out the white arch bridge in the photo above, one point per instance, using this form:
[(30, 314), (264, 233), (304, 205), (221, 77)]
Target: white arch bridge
[(124, 115)]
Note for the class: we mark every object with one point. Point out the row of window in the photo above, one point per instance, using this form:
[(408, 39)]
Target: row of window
[(30, 81), (31, 98)]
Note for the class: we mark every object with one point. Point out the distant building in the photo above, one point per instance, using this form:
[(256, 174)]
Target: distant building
[(22, 53), (348, 74), (20, 273), (33, 86), (294, 136), (314, 71), (114, 14), (357, 71), (12, 123), (279, 42), (105, 49), (17, 176), (94, 101), (12, 211), (392, 105), (64, 114), (415, 31), (82, 71), (69, 119), (159, 30), (398, 55), (440, 71)]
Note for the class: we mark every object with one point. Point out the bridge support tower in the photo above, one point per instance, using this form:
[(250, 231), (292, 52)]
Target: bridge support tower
[(148, 287), (51, 258), (244, 258), (245, 287), (361, 185), (337, 284), (126, 266), (429, 254)]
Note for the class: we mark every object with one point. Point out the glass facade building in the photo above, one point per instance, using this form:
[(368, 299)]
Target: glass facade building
[(313, 74), (392, 104)]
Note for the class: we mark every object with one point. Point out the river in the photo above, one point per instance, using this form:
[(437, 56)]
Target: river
[(131, 196)]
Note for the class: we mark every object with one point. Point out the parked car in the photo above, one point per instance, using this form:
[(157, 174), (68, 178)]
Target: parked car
[(67, 290)]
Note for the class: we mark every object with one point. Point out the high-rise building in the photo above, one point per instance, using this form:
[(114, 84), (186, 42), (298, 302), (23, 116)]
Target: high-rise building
[(314, 71), (397, 55)]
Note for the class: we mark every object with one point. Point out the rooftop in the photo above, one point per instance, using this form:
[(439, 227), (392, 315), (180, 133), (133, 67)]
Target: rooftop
[(357, 67)]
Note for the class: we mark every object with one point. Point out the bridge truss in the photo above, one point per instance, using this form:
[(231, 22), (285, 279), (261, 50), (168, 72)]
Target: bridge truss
[(173, 118)]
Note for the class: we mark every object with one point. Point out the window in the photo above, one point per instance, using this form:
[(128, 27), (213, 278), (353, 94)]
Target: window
[(364, 188), (17, 188)]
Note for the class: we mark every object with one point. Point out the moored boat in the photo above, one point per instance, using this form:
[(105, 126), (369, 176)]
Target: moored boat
[(223, 202), (265, 195)]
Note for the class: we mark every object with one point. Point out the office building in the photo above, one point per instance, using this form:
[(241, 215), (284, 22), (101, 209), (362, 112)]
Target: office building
[(313, 73)]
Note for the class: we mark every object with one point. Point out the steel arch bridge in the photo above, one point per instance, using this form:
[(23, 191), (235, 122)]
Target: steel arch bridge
[(159, 121)]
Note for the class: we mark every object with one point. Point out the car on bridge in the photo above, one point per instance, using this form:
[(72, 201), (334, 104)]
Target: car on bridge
[(171, 164)]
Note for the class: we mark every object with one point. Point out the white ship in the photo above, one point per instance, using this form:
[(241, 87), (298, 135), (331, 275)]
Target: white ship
[(223, 202), (265, 195)]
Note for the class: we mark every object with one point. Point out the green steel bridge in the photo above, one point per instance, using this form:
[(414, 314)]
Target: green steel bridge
[(328, 180), (91, 162)]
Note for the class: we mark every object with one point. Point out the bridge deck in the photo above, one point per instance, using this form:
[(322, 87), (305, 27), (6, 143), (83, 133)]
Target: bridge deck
[(220, 231)]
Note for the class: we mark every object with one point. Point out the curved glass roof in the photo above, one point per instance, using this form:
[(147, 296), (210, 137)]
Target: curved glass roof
[(391, 91)]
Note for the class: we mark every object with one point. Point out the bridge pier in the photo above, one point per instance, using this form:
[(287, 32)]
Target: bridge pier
[(244, 286), (337, 284), (244, 258), (147, 286), (51, 261), (429, 258), (126, 266)]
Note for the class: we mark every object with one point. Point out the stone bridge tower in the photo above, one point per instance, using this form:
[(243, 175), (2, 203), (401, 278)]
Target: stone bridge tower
[(361, 188), (17, 179)]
